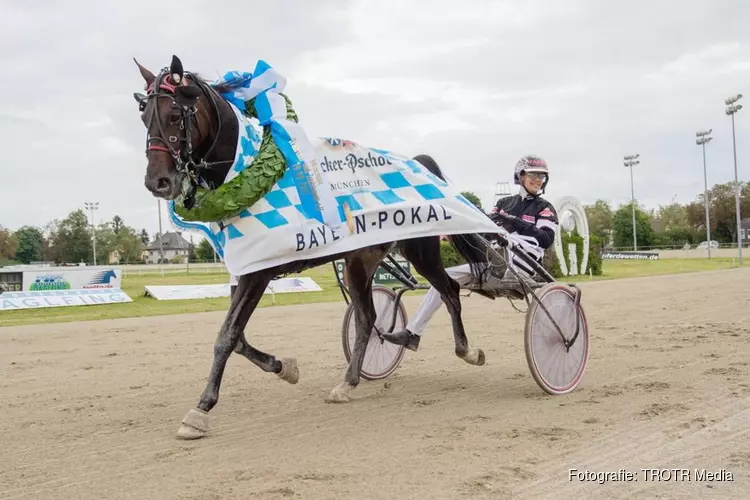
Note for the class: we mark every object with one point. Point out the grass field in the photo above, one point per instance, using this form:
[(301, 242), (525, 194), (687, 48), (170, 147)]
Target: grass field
[(134, 285)]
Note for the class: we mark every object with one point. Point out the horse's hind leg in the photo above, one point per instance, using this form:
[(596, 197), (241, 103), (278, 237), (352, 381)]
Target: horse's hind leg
[(360, 268), (249, 291), (424, 254)]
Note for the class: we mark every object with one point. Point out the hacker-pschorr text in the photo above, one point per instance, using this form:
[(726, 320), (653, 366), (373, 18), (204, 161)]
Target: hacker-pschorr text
[(375, 221)]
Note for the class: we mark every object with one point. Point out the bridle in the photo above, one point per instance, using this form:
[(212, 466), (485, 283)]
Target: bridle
[(180, 147)]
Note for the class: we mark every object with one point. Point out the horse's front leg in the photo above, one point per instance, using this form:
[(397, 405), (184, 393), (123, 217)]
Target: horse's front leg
[(286, 368), (249, 291), (361, 269)]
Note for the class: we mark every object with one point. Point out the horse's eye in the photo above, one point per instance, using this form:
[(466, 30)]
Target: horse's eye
[(175, 116)]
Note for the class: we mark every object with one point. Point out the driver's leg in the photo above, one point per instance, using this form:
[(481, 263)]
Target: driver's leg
[(430, 304)]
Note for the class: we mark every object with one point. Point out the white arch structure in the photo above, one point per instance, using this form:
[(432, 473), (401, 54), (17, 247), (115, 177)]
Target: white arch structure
[(565, 206)]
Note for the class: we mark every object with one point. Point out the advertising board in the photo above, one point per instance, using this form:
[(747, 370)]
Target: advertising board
[(631, 255), (381, 277), (12, 301), (72, 278), (183, 292)]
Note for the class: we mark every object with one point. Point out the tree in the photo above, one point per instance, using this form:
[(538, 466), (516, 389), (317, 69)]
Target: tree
[(106, 242), (622, 227), (204, 252), (30, 244), (722, 207), (129, 244), (599, 217), (144, 237), (696, 216), (722, 211), (674, 227), (117, 224), (474, 199), (673, 217), (8, 244), (51, 249), (71, 239)]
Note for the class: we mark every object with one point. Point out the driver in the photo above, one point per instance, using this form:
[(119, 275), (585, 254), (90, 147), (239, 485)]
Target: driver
[(531, 221)]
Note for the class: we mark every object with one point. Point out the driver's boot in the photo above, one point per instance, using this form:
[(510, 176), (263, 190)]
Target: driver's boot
[(404, 338)]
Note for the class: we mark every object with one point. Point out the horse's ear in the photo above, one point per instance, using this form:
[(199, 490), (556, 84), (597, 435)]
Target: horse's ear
[(146, 74), (175, 70), (187, 95)]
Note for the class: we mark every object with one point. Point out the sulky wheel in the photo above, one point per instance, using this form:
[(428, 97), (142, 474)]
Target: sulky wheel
[(556, 369), (381, 357)]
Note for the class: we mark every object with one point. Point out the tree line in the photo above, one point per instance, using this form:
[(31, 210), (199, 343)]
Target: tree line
[(70, 241), (671, 225)]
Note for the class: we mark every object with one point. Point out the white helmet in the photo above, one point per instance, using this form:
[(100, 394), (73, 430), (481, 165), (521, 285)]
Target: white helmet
[(531, 163)]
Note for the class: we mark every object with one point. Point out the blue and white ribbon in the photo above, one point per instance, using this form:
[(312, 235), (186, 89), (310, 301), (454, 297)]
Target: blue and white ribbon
[(265, 85)]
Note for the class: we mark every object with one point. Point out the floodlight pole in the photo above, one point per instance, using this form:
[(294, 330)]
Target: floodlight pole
[(161, 235), (91, 206), (732, 108), (630, 161), (704, 138)]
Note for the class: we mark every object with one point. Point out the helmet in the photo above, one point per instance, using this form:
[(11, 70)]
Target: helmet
[(531, 163)]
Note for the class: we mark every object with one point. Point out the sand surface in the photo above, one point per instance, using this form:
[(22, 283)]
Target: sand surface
[(90, 410)]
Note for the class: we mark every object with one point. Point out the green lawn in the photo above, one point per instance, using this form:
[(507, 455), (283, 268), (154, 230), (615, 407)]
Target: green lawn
[(618, 269), (324, 276)]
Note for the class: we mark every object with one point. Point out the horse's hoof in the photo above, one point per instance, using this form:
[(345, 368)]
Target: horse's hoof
[(194, 425), (341, 393), (474, 357), (289, 370)]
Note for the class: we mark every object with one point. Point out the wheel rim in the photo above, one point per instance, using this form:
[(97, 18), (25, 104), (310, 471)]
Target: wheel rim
[(557, 369), (381, 357)]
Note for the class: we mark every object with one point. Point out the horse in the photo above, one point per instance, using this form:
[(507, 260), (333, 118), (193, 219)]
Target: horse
[(186, 118)]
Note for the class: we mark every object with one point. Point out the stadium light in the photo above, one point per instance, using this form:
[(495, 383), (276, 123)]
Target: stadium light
[(704, 138), (630, 161), (92, 206), (731, 100), (731, 110)]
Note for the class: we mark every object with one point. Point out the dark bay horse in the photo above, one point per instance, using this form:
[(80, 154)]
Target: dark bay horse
[(187, 119)]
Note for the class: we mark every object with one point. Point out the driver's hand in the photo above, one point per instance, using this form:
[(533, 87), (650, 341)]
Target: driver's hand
[(505, 215)]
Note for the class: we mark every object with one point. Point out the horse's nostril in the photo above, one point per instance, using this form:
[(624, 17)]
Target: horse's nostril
[(163, 184)]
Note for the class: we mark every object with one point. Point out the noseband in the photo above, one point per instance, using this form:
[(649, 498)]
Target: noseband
[(180, 148)]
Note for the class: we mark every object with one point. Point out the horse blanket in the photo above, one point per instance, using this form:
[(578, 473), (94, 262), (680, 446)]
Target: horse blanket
[(369, 196)]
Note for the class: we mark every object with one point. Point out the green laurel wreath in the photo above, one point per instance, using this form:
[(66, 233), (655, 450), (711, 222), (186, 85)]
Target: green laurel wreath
[(229, 199)]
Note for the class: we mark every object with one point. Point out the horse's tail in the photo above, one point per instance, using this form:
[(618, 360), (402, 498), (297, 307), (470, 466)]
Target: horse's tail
[(471, 247)]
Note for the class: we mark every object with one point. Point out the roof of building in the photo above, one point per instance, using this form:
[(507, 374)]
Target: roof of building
[(171, 241)]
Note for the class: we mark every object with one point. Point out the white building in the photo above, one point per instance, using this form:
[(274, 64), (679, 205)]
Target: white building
[(175, 248)]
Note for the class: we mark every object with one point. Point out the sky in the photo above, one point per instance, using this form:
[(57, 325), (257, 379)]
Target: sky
[(476, 85)]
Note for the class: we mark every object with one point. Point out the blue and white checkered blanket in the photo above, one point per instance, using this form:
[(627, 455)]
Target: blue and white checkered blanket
[(336, 195)]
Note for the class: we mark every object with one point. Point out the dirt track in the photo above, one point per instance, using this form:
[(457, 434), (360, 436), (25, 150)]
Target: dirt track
[(90, 410)]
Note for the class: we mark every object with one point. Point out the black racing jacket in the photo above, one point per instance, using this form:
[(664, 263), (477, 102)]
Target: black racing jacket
[(529, 216)]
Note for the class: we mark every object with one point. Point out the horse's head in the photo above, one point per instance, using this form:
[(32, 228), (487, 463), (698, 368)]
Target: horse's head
[(178, 127)]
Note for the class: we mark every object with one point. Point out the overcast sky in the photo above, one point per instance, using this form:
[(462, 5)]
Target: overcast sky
[(476, 84)]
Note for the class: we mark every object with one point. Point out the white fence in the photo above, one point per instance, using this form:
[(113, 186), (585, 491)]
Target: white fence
[(191, 268)]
